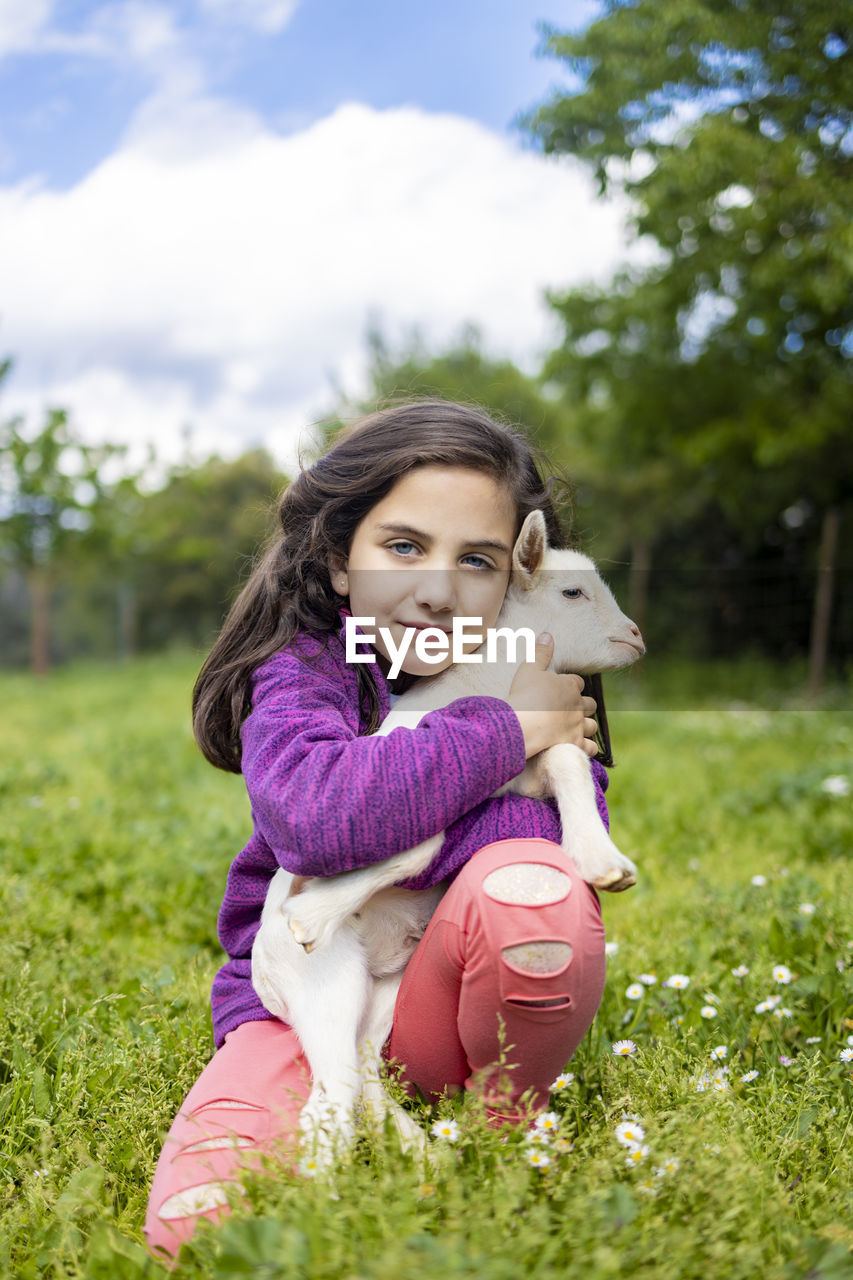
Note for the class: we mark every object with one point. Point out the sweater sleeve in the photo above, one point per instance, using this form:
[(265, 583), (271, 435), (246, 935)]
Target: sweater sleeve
[(328, 800)]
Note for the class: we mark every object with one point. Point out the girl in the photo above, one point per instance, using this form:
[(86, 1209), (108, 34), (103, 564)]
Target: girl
[(409, 519)]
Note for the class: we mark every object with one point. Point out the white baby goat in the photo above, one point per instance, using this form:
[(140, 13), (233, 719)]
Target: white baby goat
[(360, 931)]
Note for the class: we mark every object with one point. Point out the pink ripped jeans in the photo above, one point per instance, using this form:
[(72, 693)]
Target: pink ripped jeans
[(517, 941)]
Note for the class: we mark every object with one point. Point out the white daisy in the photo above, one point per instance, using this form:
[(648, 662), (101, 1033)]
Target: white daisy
[(708, 1011), (647, 979), (624, 1048), (741, 971), (846, 1055), (782, 973), (547, 1122), (611, 948), (711, 998), (637, 1152), (635, 991), (759, 881), (783, 1013), (563, 1081), (308, 1166), (679, 981), (749, 1075), (837, 785), (670, 1165), (446, 1129), (538, 1138), (629, 1132), (538, 1158), (807, 908), (720, 1052), (850, 1039)]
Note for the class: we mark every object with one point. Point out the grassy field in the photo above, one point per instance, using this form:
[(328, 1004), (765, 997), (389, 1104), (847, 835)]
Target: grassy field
[(116, 838)]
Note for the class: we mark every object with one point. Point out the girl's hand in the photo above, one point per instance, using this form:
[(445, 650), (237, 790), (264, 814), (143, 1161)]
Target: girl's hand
[(550, 707)]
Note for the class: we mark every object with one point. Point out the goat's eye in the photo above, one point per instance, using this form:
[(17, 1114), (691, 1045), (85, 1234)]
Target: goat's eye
[(573, 593)]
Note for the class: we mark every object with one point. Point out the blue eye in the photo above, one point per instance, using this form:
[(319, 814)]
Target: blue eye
[(482, 562), (402, 548), (573, 593)]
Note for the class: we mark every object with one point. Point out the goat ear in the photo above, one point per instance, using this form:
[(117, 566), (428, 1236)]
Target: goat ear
[(529, 550)]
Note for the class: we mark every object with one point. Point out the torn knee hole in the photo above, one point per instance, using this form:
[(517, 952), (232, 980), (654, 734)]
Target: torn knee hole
[(527, 884), (224, 1104), (217, 1144), (543, 1002), (199, 1199), (540, 958)]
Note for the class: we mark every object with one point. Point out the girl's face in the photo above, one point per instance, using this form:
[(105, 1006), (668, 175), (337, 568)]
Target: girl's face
[(437, 547)]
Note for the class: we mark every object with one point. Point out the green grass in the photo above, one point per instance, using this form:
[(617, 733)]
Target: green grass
[(116, 838)]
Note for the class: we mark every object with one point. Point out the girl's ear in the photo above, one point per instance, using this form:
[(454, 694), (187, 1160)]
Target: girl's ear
[(338, 575), (529, 550)]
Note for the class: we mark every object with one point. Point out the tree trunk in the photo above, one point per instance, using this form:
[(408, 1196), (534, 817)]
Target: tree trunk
[(638, 580), (39, 588), (822, 611)]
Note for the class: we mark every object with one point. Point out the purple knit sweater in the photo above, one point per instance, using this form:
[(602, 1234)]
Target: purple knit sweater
[(325, 799)]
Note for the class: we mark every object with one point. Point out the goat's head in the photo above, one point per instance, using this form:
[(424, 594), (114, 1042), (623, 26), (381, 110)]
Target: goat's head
[(562, 592)]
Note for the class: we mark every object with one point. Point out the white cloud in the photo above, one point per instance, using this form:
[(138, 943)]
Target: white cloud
[(22, 23), (267, 16), (213, 272)]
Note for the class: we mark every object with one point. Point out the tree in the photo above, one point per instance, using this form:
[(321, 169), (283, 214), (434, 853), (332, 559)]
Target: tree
[(190, 542), (54, 505), (729, 123)]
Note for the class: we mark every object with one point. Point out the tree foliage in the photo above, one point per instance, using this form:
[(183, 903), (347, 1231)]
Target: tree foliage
[(729, 360)]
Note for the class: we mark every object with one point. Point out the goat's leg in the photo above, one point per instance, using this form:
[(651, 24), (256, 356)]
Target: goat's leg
[(321, 907), (376, 1103), (326, 1004), (569, 779)]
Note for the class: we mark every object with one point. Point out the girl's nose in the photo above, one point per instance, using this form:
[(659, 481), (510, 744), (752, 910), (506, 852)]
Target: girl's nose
[(435, 590)]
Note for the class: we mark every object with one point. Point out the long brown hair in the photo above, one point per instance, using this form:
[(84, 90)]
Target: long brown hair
[(290, 588)]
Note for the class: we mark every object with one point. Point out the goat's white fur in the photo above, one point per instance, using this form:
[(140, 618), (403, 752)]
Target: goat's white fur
[(360, 931)]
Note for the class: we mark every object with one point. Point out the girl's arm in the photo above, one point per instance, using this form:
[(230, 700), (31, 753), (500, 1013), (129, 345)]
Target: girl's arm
[(328, 800)]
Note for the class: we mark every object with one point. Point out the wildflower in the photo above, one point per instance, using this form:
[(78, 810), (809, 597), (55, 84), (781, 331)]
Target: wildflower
[(646, 1187), (837, 785), (308, 1166), (741, 971), (635, 991), (611, 948), (846, 1055), (637, 1152), (783, 1013), (679, 981), (447, 1129), (647, 979), (537, 1158), (670, 1165), (764, 1006), (538, 1138), (807, 908), (547, 1122), (708, 1011), (563, 1081), (563, 1144), (759, 881), (721, 1051), (850, 1039), (719, 1083), (782, 973), (785, 1060), (813, 1039), (629, 1133), (624, 1048), (749, 1075), (711, 998)]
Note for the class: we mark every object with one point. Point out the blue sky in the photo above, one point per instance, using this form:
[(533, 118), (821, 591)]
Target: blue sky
[(204, 202)]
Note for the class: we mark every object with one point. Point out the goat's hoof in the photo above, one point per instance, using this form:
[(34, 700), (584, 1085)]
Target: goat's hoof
[(300, 933), (615, 880)]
